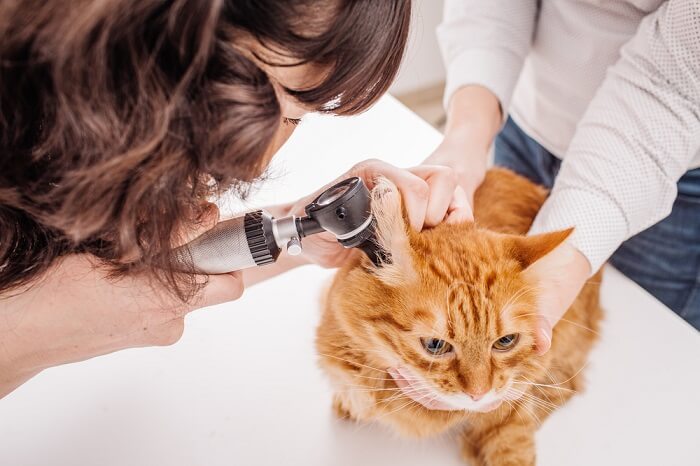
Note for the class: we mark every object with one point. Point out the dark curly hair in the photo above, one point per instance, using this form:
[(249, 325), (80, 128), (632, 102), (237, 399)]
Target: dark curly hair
[(119, 118)]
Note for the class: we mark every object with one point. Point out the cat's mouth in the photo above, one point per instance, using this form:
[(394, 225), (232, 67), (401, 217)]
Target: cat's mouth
[(419, 390)]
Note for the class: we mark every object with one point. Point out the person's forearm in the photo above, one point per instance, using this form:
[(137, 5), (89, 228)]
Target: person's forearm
[(474, 115), (473, 120)]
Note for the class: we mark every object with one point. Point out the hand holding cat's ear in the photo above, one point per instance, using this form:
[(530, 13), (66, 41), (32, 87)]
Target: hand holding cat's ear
[(431, 194), (559, 275), (447, 200)]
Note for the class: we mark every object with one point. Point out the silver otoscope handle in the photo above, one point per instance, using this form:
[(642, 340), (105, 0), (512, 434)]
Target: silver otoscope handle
[(234, 244)]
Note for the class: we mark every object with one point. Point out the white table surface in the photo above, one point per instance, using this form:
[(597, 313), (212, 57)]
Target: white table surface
[(242, 386)]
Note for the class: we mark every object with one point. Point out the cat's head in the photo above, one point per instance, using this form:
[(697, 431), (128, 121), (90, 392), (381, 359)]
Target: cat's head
[(453, 315)]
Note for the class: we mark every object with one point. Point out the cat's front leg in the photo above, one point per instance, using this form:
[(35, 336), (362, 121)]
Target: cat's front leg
[(470, 451), (511, 443)]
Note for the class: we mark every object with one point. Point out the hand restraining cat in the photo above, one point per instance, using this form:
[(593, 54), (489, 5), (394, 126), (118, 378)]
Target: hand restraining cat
[(442, 335)]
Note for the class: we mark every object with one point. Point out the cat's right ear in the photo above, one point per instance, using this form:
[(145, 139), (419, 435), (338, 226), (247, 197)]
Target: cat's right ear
[(391, 235)]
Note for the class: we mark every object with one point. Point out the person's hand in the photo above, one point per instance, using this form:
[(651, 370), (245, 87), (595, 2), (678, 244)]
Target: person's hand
[(76, 311), (431, 194), (561, 273), (473, 119), (467, 158)]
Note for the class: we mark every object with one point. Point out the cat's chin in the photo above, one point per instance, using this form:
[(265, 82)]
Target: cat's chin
[(418, 390)]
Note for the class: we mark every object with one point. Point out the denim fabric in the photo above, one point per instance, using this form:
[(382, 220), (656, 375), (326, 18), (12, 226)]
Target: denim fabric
[(663, 259)]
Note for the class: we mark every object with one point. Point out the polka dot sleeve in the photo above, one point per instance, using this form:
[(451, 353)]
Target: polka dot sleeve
[(636, 138)]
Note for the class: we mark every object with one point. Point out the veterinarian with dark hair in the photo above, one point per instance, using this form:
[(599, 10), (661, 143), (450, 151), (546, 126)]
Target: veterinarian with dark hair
[(599, 101), (119, 119)]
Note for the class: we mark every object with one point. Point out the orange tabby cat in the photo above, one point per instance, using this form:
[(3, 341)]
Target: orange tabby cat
[(443, 336)]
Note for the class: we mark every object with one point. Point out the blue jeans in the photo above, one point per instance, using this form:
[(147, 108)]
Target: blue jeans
[(663, 259)]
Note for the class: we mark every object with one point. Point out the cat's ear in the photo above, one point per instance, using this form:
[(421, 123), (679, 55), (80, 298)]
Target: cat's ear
[(391, 234), (528, 250), (544, 257)]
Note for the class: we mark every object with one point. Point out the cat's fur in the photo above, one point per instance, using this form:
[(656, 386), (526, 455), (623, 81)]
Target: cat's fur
[(469, 284)]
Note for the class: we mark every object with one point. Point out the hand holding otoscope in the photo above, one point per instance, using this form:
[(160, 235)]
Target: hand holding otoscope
[(256, 238)]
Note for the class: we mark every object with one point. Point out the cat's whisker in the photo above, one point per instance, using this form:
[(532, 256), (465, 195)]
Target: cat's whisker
[(549, 375), (427, 396), (358, 350), (579, 325), (359, 388), (407, 404), (548, 407), (393, 411), (537, 386), (541, 391), (545, 385), (407, 391), (368, 388), (514, 408), (539, 402), (372, 378), (570, 378), (519, 316), (353, 363), (522, 403)]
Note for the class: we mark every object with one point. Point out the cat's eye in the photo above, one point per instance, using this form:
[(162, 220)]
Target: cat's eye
[(435, 346), (506, 342)]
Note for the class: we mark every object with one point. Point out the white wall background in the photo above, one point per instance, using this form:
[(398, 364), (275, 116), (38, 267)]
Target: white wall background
[(422, 65)]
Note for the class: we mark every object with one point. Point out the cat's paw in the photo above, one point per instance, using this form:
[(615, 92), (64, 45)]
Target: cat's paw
[(507, 446), (340, 411)]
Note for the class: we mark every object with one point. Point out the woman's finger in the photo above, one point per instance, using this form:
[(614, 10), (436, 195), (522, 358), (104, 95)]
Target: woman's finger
[(415, 191), (219, 289), (460, 209), (543, 337), (443, 184)]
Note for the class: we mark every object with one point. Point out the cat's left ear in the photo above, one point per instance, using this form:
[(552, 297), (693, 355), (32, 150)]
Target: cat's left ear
[(544, 258), (528, 250)]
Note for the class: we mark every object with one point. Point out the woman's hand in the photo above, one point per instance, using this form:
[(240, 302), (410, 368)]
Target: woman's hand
[(468, 159), (76, 312), (431, 194), (473, 119), (562, 274)]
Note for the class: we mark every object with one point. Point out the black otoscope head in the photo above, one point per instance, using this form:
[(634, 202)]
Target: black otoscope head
[(344, 209)]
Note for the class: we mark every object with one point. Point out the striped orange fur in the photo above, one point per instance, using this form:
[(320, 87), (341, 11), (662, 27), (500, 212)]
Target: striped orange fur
[(469, 285)]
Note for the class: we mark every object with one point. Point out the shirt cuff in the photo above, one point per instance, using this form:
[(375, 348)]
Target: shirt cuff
[(497, 72), (600, 226)]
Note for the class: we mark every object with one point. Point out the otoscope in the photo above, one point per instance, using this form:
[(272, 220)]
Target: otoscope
[(256, 238)]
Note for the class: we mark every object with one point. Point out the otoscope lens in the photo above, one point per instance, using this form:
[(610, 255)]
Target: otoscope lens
[(332, 194)]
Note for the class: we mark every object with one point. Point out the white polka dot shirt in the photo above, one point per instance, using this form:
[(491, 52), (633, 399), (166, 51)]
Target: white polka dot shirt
[(610, 86)]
